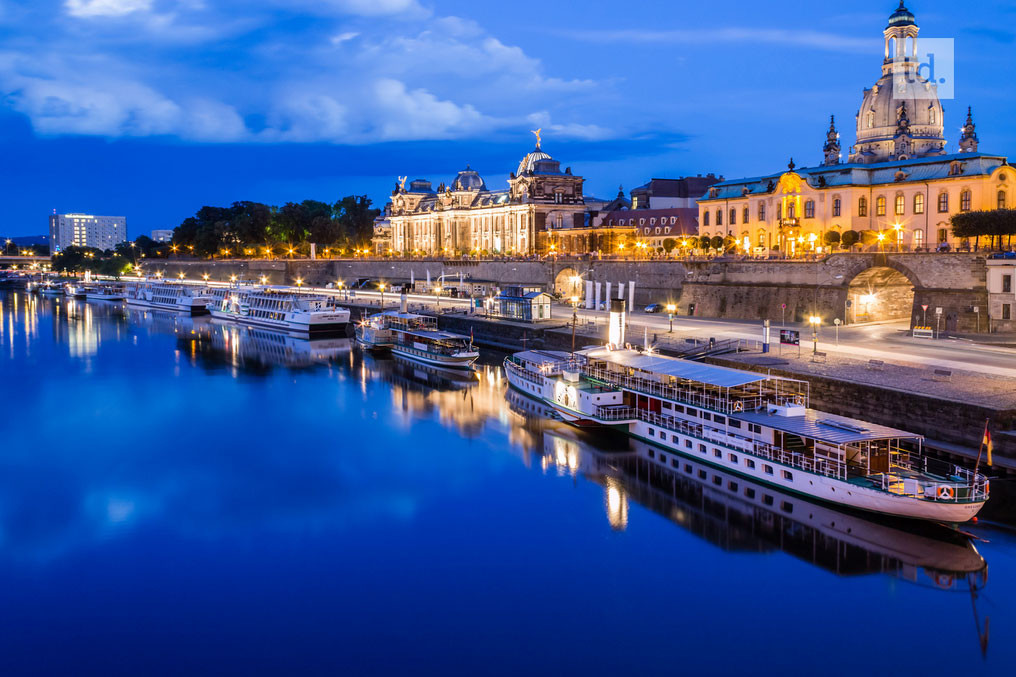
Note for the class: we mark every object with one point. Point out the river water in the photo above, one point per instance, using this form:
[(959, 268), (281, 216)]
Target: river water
[(183, 496)]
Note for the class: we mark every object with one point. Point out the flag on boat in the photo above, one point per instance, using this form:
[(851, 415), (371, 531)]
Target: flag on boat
[(987, 442)]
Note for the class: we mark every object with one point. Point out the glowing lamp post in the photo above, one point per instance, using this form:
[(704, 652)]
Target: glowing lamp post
[(382, 288), (814, 321), (574, 321), (671, 309)]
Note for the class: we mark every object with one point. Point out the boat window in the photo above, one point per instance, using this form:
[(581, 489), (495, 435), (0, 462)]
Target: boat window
[(767, 499), (674, 439), (734, 423), (663, 458), (768, 469), (787, 475), (733, 458), (687, 468), (679, 408), (750, 463), (691, 412), (651, 432), (787, 507), (719, 419), (749, 492), (702, 474), (652, 454), (663, 435), (687, 443), (667, 405), (674, 463), (705, 416), (702, 448), (717, 480), (717, 453), (732, 486)]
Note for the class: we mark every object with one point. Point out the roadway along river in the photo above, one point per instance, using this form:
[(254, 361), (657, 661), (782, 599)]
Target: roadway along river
[(183, 496)]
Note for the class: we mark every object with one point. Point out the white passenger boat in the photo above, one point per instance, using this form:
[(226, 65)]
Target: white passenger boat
[(48, 288), (108, 291), (75, 290), (167, 296), (280, 309), (756, 425), (416, 337)]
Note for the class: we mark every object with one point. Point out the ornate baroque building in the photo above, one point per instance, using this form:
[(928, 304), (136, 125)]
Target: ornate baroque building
[(900, 181), (542, 210)]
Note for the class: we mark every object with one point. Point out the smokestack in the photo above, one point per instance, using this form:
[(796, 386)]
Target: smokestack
[(615, 332), (403, 304)]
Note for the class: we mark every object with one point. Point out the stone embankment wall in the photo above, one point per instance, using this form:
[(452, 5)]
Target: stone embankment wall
[(750, 289)]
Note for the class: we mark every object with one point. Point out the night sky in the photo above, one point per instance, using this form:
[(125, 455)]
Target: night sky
[(152, 108)]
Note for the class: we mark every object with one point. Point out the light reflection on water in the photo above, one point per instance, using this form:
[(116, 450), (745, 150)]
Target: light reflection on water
[(373, 515)]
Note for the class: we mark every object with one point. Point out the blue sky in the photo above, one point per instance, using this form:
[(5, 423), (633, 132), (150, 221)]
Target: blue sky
[(153, 108)]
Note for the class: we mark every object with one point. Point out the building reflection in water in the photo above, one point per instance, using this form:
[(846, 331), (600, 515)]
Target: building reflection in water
[(79, 325)]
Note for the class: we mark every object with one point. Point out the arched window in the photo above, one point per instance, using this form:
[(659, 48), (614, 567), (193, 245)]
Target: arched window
[(919, 203), (791, 211), (901, 205), (965, 201), (733, 217), (705, 218), (1001, 200), (837, 206), (943, 202), (862, 206), (761, 211), (761, 238), (871, 119), (746, 216), (934, 116), (719, 217), (918, 239), (809, 209), (880, 205)]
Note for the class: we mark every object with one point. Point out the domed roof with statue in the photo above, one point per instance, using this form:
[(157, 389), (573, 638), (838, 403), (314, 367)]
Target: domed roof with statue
[(538, 162), (901, 116), (468, 179)]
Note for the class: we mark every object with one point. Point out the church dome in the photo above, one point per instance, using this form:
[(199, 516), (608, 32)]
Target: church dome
[(528, 164), (902, 17), (468, 179)]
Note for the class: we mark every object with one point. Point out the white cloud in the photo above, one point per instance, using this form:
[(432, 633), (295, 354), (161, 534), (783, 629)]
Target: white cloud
[(733, 34), (88, 9)]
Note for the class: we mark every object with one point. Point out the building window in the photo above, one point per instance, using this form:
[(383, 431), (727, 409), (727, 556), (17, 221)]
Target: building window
[(779, 211), (747, 216), (1007, 284), (837, 206), (1001, 199), (809, 209), (761, 211), (1006, 311), (901, 205), (733, 217), (705, 218), (918, 239), (871, 119), (943, 202), (965, 201), (943, 235), (791, 211), (719, 217), (880, 206), (919, 203), (862, 206)]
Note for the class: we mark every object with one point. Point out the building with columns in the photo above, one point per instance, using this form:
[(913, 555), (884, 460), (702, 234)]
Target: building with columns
[(899, 188), (543, 210)]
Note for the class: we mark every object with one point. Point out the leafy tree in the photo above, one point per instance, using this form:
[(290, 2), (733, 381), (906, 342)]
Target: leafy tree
[(831, 238), (716, 243), (849, 238), (669, 244), (705, 242), (355, 218), (997, 223)]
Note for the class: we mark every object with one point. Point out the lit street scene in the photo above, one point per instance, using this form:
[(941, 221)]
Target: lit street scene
[(420, 337)]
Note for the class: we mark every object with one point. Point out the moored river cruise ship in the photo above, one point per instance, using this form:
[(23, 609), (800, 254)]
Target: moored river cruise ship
[(756, 425), (280, 309), (167, 296), (416, 337)]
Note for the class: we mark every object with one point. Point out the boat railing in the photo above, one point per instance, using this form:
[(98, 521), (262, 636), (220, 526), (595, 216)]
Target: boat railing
[(520, 371), (684, 395)]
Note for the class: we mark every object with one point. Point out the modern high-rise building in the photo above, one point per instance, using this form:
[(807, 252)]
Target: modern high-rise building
[(162, 235), (85, 230)]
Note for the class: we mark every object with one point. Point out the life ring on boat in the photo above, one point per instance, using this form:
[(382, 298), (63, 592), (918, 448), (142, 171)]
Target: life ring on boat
[(738, 406), (946, 493), (944, 581), (799, 400)]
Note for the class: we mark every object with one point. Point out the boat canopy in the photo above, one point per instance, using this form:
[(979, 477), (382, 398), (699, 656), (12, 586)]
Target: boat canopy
[(827, 428), (720, 377)]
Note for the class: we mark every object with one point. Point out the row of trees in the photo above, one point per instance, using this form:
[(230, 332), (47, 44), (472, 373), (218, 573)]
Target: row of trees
[(996, 225), (244, 226)]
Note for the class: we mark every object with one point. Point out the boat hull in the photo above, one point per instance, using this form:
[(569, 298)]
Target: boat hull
[(193, 309), (464, 361), (296, 327)]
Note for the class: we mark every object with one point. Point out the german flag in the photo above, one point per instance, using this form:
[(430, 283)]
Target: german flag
[(987, 443)]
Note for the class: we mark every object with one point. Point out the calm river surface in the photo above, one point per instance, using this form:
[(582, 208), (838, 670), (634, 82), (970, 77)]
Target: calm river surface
[(181, 496)]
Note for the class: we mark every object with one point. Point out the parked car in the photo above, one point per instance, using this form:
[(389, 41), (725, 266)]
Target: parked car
[(654, 308)]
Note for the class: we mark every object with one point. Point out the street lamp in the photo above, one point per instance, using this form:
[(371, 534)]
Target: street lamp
[(382, 288), (180, 275), (814, 321), (671, 309), (299, 282), (574, 321), (437, 291)]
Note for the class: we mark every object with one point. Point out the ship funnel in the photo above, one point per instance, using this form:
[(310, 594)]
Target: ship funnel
[(403, 304), (615, 332)]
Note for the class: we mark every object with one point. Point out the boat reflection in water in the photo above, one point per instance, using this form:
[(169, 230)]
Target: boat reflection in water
[(744, 516)]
